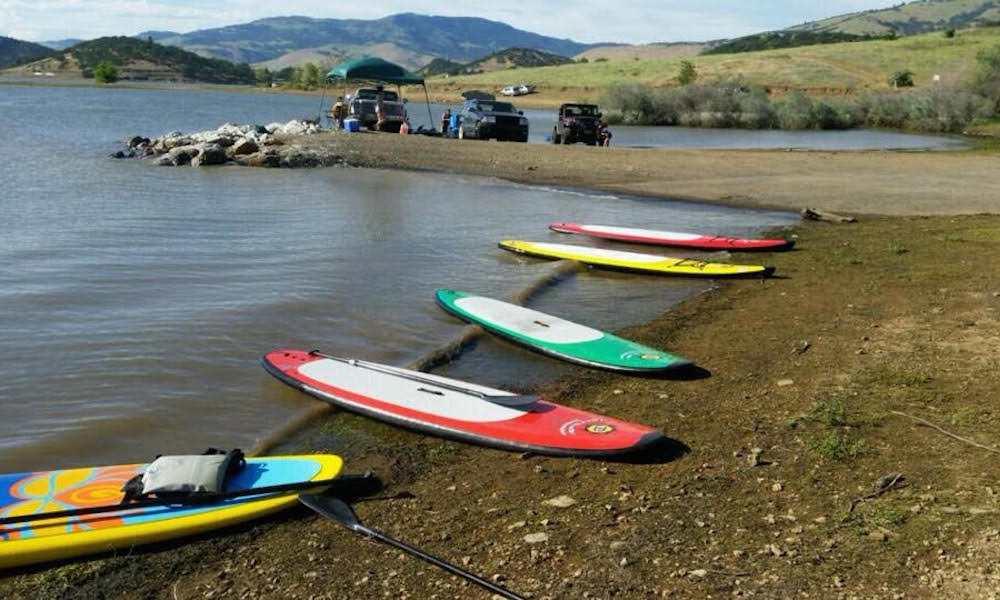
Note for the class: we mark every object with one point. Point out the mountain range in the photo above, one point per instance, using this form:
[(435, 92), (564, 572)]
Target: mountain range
[(410, 39), (415, 40)]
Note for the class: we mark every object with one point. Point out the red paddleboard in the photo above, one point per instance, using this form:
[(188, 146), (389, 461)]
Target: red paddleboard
[(456, 409), (671, 238)]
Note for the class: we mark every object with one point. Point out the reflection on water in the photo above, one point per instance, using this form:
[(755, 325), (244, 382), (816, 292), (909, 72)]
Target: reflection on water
[(136, 301)]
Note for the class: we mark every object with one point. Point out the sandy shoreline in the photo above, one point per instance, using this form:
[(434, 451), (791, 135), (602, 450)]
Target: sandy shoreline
[(889, 314), (877, 182)]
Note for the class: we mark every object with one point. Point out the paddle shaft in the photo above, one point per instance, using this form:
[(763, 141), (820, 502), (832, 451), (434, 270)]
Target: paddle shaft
[(193, 501), (337, 510), (489, 585)]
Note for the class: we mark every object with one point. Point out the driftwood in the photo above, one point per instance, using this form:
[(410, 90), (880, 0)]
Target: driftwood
[(883, 485), (926, 423), (816, 214)]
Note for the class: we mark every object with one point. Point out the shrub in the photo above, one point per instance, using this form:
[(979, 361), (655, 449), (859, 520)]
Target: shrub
[(901, 79), (105, 72), (792, 111), (950, 32), (987, 82), (688, 74)]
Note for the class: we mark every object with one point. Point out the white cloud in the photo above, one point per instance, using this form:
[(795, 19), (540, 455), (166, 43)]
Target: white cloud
[(583, 20)]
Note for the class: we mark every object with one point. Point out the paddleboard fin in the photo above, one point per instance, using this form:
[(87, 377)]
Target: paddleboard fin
[(512, 401)]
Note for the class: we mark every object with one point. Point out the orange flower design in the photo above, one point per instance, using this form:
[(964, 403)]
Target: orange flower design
[(51, 491)]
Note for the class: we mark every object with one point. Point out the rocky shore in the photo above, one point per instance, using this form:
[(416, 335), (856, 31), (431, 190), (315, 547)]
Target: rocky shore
[(246, 145)]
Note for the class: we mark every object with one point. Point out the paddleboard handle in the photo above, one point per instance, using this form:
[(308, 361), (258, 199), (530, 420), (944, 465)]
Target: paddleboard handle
[(513, 400), (194, 500)]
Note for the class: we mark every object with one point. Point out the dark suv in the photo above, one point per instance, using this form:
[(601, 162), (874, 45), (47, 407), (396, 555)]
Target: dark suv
[(577, 123), (486, 119)]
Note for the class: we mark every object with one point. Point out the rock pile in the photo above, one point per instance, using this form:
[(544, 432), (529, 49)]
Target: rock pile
[(249, 145)]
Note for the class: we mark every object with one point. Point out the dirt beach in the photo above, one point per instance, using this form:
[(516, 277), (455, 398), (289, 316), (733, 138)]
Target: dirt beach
[(795, 469), (875, 182)]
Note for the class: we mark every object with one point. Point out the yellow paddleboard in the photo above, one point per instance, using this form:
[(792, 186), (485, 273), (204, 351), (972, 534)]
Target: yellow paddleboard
[(57, 539), (634, 261)]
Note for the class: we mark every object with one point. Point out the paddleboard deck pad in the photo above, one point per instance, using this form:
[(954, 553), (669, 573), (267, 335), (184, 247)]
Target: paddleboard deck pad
[(32, 542), (635, 261), (672, 238), (456, 409), (557, 337)]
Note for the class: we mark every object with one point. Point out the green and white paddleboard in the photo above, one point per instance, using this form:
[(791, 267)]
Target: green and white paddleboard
[(557, 337)]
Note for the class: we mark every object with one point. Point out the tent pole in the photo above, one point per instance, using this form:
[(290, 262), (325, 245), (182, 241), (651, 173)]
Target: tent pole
[(428, 99), (322, 98)]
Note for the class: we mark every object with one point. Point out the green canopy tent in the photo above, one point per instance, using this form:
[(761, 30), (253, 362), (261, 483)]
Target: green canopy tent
[(372, 68)]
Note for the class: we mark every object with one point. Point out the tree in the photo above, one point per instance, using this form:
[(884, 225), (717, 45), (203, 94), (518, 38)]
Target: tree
[(263, 76), (688, 74), (901, 79), (890, 35), (105, 72)]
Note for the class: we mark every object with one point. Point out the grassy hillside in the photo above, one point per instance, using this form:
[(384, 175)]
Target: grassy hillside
[(16, 52), (835, 68), (911, 18), (625, 52), (137, 59)]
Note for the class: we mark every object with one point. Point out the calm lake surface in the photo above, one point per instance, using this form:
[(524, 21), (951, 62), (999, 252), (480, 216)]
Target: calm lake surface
[(136, 301)]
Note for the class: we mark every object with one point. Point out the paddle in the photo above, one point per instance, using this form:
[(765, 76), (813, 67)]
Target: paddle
[(503, 400), (193, 500), (338, 510)]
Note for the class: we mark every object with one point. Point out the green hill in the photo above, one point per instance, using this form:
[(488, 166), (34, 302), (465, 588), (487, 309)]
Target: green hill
[(441, 66), (911, 18), (139, 59), (516, 58), (17, 52)]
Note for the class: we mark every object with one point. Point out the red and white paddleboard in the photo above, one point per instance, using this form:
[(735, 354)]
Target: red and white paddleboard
[(671, 238), (456, 409)]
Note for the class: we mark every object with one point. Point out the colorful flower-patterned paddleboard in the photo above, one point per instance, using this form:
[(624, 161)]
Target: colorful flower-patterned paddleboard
[(56, 539)]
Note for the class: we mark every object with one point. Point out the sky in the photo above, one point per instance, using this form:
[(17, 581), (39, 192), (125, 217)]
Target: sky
[(637, 21)]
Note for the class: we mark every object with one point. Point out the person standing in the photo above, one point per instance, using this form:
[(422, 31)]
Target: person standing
[(445, 120), (337, 113), (603, 135)]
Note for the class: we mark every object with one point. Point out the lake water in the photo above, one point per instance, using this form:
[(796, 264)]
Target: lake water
[(136, 301)]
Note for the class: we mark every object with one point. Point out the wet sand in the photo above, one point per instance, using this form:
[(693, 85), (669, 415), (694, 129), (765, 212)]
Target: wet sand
[(768, 488)]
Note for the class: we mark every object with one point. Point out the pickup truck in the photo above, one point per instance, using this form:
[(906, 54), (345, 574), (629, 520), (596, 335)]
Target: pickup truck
[(486, 119), (362, 107)]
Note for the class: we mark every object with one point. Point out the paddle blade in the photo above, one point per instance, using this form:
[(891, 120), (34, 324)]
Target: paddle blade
[(332, 508)]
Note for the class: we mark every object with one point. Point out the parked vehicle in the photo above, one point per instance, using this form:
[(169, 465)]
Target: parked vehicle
[(517, 90), (362, 107), (577, 123), (491, 119)]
